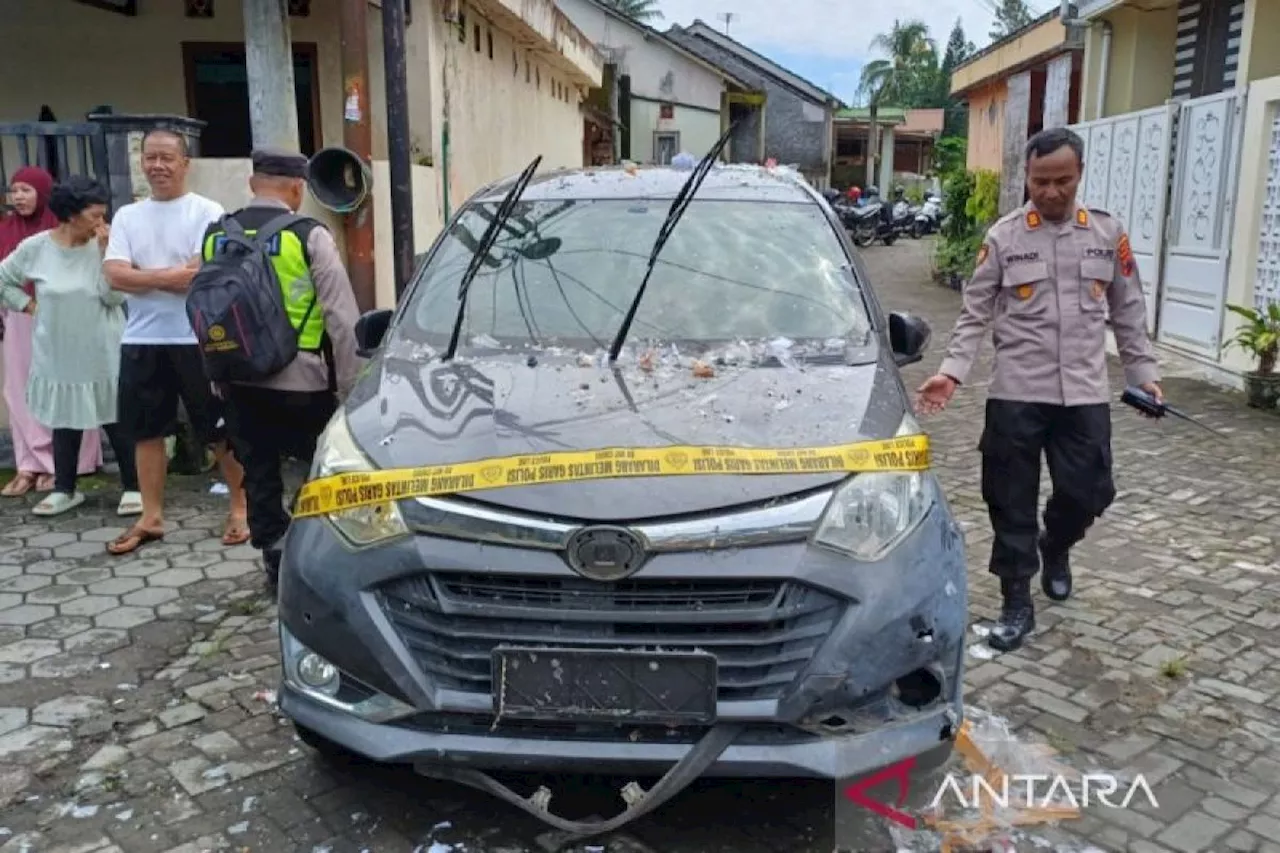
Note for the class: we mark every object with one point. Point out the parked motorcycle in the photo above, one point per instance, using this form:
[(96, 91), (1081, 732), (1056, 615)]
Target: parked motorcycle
[(902, 218), (928, 217), (872, 220), (841, 205)]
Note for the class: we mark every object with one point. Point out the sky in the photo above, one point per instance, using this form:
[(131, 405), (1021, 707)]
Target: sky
[(828, 41)]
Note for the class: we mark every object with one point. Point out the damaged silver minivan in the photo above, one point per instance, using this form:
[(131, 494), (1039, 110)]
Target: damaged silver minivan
[(803, 624)]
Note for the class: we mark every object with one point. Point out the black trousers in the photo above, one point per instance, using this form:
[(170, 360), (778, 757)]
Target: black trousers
[(265, 426), (66, 458), (1076, 441)]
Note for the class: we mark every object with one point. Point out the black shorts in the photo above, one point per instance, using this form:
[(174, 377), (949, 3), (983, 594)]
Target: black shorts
[(153, 378)]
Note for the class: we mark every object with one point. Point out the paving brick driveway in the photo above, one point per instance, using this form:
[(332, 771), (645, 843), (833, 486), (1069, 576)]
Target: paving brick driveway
[(135, 692)]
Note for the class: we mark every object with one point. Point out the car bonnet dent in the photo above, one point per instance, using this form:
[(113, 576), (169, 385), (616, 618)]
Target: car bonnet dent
[(406, 413)]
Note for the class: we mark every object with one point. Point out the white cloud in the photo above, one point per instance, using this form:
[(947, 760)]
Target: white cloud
[(831, 29)]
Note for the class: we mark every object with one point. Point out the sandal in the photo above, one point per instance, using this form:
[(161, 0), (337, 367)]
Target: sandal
[(57, 503), (236, 532), (133, 539), (44, 483), (19, 485)]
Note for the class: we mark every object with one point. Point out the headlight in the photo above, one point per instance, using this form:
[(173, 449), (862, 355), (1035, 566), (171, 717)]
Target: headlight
[(338, 453), (870, 514)]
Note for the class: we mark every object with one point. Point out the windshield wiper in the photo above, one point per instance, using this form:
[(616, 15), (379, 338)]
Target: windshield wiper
[(678, 208), (487, 240)]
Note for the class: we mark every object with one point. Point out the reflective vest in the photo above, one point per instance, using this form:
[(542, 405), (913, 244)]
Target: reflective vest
[(288, 251)]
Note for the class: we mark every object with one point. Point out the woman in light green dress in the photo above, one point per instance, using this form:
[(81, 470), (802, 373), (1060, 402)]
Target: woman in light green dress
[(79, 320)]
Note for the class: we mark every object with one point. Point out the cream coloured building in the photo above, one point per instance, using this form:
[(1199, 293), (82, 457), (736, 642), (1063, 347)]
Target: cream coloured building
[(491, 84), (509, 76)]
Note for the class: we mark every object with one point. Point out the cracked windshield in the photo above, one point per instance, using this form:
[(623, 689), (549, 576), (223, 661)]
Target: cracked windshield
[(639, 426), (563, 273)]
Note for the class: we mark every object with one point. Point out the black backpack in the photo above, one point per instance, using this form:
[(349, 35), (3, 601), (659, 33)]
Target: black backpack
[(237, 309)]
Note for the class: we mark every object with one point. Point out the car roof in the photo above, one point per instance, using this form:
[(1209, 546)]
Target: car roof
[(724, 182)]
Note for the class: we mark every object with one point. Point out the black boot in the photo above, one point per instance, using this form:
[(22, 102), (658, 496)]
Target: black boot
[(271, 562), (1055, 576), (1017, 616)]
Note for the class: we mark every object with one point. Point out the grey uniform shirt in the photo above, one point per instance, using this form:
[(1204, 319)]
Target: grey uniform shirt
[(334, 296), (1044, 289)]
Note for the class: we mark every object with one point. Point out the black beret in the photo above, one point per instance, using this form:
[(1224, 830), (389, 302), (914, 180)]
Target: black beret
[(279, 162)]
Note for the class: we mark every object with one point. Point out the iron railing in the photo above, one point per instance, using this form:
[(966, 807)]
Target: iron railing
[(62, 148)]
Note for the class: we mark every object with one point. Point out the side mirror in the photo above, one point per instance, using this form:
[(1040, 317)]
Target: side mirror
[(371, 328), (909, 336)]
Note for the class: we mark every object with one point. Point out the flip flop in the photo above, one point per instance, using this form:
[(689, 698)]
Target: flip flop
[(133, 539), (19, 485), (44, 483), (57, 503), (236, 532)]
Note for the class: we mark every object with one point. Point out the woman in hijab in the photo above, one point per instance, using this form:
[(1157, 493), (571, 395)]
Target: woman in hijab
[(29, 191), (79, 320)]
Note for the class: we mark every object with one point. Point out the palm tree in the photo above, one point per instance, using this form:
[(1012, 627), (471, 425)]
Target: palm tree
[(909, 72), (639, 10)]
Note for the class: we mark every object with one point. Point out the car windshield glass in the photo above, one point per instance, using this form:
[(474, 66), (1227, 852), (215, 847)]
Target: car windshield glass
[(563, 273)]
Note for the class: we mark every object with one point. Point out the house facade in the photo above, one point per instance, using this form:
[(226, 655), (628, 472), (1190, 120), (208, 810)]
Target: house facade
[(1181, 122), (666, 99), (798, 116), (1018, 85), (473, 68), (906, 142)]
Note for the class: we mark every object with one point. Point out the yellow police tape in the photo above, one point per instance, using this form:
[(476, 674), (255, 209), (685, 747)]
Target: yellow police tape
[(340, 492)]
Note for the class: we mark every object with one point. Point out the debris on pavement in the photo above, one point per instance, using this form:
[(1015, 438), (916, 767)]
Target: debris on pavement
[(992, 753)]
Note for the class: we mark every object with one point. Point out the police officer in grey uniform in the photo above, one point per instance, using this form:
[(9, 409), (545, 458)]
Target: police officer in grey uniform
[(1045, 278)]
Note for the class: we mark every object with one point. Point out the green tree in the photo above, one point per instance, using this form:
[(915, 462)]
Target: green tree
[(906, 78), (643, 11), (958, 50), (1011, 16)]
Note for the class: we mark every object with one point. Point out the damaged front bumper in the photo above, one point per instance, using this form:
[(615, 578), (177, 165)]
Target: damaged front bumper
[(838, 668)]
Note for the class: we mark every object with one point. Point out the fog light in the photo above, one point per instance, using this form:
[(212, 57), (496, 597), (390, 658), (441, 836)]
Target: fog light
[(317, 673)]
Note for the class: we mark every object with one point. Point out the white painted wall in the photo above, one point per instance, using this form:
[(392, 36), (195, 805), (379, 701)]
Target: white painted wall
[(698, 129), (659, 74), (226, 181), (135, 64), (502, 111)]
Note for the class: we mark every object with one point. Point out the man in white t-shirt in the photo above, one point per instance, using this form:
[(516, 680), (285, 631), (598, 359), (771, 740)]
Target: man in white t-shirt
[(152, 255)]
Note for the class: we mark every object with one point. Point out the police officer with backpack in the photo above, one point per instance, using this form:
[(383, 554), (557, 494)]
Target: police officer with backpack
[(275, 315)]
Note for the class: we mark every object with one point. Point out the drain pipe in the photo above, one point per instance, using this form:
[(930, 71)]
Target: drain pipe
[(1104, 70)]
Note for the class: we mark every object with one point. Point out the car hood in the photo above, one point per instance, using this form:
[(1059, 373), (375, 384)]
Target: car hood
[(406, 413)]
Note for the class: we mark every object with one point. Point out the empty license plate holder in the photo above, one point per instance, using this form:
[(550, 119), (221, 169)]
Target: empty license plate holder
[(670, 688)]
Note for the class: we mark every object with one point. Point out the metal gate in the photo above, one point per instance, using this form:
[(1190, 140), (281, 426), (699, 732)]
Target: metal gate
[(1126, 173), (1202, 208)]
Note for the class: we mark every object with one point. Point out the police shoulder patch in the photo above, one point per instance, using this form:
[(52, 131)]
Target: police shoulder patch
[(1125, 255)]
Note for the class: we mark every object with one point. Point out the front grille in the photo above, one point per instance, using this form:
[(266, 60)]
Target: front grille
[(761, 632)]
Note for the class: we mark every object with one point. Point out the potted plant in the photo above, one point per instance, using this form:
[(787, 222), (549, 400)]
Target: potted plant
[(1260, 336)]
